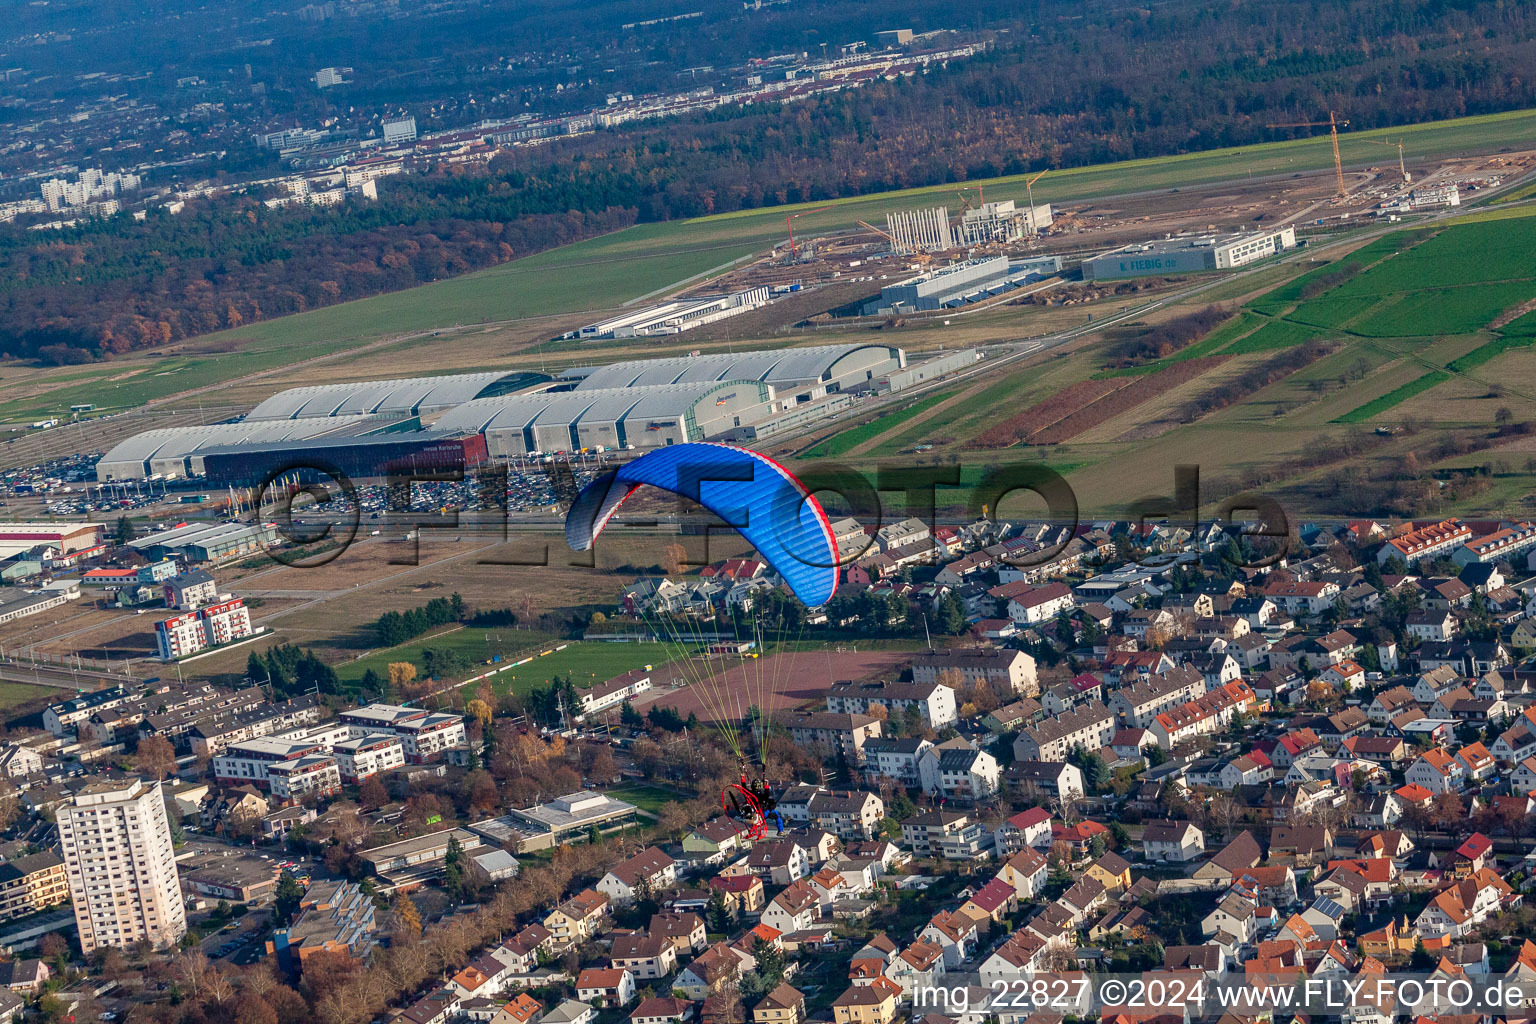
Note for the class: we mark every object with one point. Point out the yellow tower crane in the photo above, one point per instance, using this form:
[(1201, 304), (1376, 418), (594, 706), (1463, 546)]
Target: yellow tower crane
[(1333, 124), (1398, 145)]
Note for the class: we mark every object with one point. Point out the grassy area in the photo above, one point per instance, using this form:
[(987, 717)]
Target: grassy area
[(584, 663), (1489, 352), (847, 440), (1276, 334), (14, 695), (646, 797), (478, 645), (1438, 311), (1396, 396)]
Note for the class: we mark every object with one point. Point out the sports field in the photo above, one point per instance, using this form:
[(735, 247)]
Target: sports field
[(478, 645), (584, 663)]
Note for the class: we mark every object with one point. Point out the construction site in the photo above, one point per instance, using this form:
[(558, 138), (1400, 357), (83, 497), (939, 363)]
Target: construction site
[(874, 271)]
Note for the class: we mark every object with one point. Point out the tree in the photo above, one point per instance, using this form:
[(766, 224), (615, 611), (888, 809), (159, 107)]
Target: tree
[(286, 899), (719, 914), (53, 946), (401, 675), (629, 717), (407, 918), (124, 531), (1095, 774), (673, 558), (480, 710), (453, 870), (251, 1008), (770, 963), (950, 619), (372, 793), (900, 806), (155, 758)]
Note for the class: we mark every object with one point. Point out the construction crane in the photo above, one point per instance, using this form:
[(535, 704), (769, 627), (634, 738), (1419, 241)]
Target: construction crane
[(789, 223), (1029, 188), (1401, 167), (1333, 124)]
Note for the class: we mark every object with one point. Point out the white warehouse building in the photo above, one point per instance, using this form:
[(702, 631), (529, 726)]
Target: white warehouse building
[(646, 417), (675, 317), (797, 374), (1187, 254)]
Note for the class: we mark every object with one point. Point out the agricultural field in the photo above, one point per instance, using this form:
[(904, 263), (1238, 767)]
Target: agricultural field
[(1395, 397)]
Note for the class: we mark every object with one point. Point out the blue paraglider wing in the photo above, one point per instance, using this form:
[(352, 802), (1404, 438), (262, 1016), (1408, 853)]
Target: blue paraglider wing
[(756, 496)]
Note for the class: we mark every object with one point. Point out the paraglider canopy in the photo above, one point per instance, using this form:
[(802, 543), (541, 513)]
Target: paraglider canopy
[(750, 492)]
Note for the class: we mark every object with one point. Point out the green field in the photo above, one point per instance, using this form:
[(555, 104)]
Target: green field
[(1452, 280), (1489, 352), (1437, 311), (584, 663), (14, 695), (1396, 396), (847, 440), (1515, 195), (478, 645), (1277, 334), (647, 798)]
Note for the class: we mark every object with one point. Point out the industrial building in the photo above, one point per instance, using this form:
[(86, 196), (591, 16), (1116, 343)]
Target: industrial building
[(178, 451), (370, 429), (810, 372), (19, 538), (920, 230), (204, 543), (941, 365), (1188, 254), (359, 458), (1003, 222), (959, 283), (674, 317), (409, 396), (645, 417)]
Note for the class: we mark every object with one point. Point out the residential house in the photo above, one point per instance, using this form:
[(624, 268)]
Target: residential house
[(1172, 841)]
